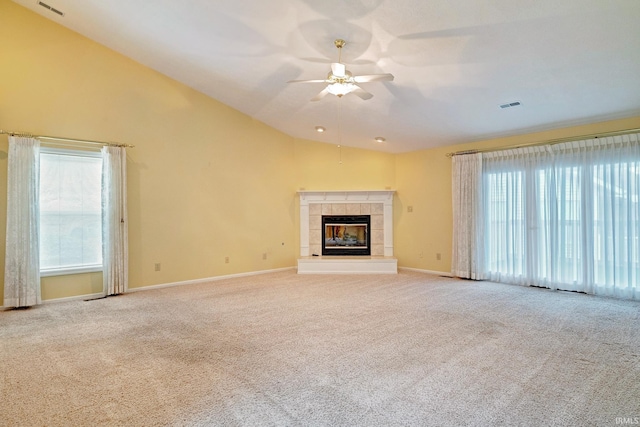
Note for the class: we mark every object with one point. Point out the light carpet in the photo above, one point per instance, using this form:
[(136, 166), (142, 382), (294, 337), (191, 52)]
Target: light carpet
[(283, 349)]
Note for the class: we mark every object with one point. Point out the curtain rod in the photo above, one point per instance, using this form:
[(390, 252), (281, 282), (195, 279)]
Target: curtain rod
[(55, 138), (548, 142)]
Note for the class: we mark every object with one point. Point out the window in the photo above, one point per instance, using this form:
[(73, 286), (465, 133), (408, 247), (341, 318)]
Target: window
[(70, 211)]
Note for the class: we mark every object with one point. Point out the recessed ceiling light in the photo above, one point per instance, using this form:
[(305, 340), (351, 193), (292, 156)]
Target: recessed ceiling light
[(379, 139), (320, 129)]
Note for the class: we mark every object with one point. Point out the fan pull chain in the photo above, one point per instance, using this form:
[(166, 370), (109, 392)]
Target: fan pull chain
[(340, 131)]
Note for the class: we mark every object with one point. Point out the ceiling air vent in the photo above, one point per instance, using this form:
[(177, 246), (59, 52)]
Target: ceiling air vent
[(511, 104), (52, 9)]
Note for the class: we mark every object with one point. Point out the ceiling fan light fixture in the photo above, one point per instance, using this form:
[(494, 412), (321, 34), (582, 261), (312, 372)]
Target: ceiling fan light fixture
[(341, 89), (379, 139), (320, 129)]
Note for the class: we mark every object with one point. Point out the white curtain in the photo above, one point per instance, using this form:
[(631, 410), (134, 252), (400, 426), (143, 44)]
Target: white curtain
[(114, 220), (565, 216), (22, 258), (511, 181), (467, 256)]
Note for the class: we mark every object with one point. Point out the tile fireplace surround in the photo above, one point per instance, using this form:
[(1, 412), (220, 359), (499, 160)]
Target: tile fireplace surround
[(377, 203)]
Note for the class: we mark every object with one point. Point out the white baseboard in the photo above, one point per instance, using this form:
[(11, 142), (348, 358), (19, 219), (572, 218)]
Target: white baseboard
[(163, 285), (75, 298), (65, 299), (207, 279), (437, 273)]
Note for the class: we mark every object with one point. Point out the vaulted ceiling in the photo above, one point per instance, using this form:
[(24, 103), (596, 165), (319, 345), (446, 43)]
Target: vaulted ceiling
[(455, 62)]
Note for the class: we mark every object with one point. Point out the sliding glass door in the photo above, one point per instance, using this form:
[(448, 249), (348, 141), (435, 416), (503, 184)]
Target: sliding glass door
[(564, 219)]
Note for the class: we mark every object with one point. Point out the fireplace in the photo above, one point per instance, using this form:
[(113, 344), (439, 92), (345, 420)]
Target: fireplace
[(346, 235), (377, 205)]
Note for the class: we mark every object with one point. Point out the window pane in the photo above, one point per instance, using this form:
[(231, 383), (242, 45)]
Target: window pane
[(616, 225), (542, 224), (505, 223), (70, 211), (569, 223)]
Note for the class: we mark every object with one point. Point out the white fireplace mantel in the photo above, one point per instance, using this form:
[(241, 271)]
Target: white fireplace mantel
[(384, 197), (358, 196)]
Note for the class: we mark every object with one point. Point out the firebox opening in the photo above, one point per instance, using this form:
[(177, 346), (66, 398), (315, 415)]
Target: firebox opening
[(346, 235)]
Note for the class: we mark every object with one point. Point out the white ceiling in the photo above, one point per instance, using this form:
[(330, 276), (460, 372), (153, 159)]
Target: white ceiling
[(455, 62)]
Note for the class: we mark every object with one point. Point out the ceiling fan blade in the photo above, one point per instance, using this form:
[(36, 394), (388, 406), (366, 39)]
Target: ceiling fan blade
[(338, 69), (321, 95), (373, 78), (361, 93), (307, 81)]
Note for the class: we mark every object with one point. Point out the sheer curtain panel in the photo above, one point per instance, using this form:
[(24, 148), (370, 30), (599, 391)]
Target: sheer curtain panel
[(22, 258), (467, 257), (114, 220), (565, 216)]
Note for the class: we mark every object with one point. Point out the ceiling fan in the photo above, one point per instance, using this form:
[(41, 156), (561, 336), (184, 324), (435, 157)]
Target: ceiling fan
[(341, 81)]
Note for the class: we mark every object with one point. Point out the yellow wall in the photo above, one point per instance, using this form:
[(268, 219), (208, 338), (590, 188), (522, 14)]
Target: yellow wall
[(322, 166), (205, 181)]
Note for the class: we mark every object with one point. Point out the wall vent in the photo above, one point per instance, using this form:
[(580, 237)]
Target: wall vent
[(510, 104), (52, 9)]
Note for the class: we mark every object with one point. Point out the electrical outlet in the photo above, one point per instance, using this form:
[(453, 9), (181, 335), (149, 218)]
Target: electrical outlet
[(409, 209), (226, 260), (438, 256), (157, 266), (264, 255)]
